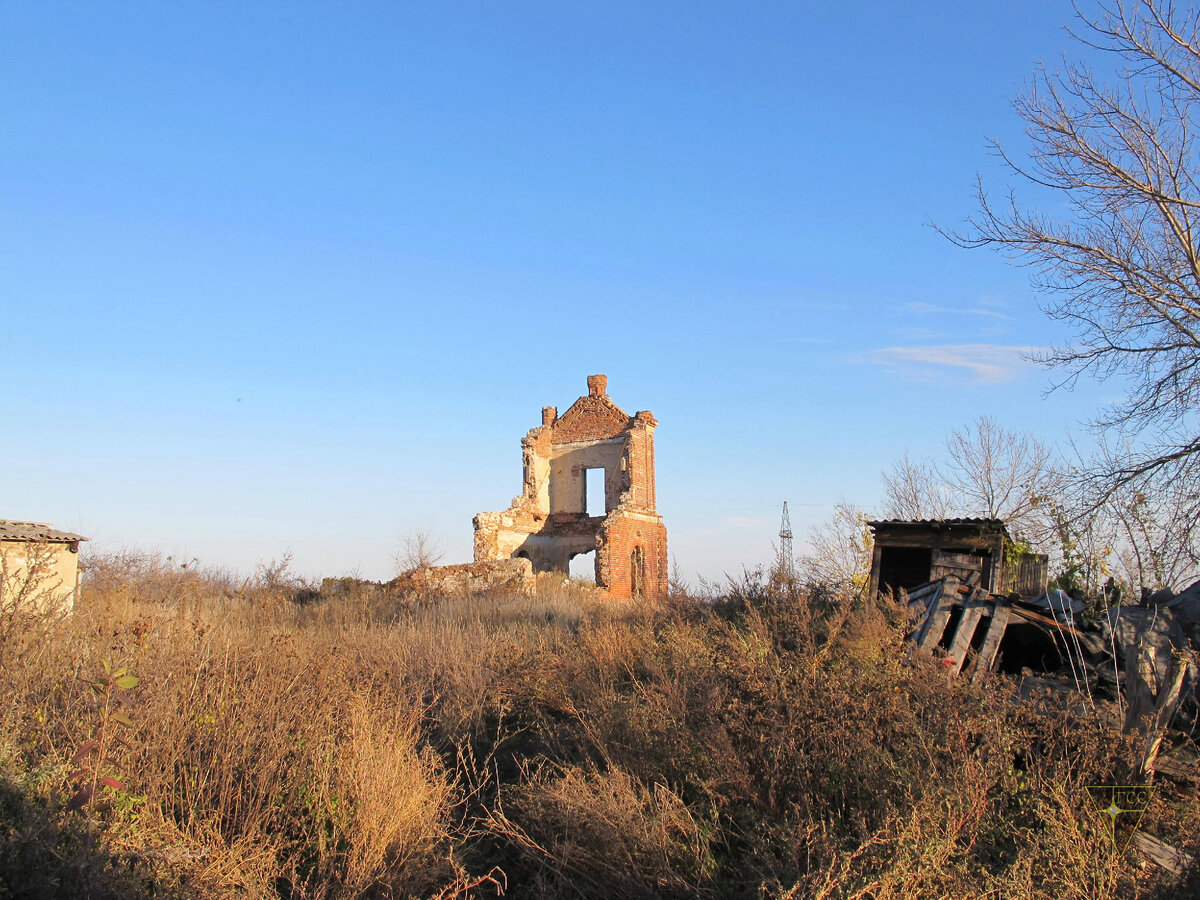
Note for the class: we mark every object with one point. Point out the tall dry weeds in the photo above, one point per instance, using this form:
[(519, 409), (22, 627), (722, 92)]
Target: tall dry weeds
[(772, 744)]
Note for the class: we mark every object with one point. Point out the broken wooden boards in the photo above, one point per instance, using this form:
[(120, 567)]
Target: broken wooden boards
[(1142, 653), (933, 605), (961, 605)]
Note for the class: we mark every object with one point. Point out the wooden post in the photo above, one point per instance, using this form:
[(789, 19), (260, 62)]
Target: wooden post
[(876, 556), (996, 579), (1167, 703)]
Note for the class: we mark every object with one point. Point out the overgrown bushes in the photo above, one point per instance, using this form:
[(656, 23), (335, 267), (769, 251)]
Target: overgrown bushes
[(767, 745)]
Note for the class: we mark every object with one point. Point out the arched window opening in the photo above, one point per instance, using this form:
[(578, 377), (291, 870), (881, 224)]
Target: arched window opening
[(637, 573)]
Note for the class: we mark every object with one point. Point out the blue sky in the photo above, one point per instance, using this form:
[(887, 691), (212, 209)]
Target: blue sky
[(300, 275)]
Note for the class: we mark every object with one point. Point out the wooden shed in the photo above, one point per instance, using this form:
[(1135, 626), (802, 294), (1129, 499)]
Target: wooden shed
[(910, 553)]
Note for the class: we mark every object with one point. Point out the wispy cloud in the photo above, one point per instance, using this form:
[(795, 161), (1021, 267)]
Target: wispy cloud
[(982, 363), (922, 307)]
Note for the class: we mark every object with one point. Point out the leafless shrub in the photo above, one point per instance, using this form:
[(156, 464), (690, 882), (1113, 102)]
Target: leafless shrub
[(124, 577), (839, 552), (418, 549)]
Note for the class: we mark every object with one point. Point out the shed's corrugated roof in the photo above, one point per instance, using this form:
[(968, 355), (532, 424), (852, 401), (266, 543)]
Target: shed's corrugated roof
[(35, 531), (927, 523)]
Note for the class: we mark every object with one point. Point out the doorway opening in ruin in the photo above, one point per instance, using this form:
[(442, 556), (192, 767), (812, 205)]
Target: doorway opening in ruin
[(594, 502), (637, 573), (583, 566)]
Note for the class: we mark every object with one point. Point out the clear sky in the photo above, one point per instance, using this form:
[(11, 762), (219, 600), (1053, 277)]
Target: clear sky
[(300, 275)]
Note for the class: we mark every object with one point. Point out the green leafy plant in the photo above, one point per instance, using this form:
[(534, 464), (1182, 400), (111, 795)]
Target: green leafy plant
[(95, 760)]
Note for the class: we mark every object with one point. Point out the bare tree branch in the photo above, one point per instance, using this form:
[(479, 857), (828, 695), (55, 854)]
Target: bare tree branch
[(1122, 267), (914, 490)]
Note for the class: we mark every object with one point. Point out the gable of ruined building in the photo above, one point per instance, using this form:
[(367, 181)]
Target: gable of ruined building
[(591, 418)]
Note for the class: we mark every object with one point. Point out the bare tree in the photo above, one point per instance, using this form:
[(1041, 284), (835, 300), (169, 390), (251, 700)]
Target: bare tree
[(1122, 264), (1138, 540), (988, 471), (915, 490), (1000, 474)]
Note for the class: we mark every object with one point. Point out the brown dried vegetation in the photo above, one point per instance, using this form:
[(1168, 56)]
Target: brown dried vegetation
[(769, 745)]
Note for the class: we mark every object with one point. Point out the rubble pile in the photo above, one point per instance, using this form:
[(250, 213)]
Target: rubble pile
[(1138, 665)]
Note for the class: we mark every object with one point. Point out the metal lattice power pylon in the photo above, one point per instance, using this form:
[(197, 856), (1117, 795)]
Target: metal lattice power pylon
[(786, 564)]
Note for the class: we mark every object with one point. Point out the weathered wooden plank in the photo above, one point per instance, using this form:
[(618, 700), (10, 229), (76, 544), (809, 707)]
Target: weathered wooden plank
[(959, 560), (935, 541), (929, 605), (924, 591), (1139, 696), (935, 623), (1161, 854), (991, 641), (958, 565), (951, 572), (961, 642), (1037, 618)]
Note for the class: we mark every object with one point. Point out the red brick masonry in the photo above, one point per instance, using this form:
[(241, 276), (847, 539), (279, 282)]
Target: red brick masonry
[(549, 522)]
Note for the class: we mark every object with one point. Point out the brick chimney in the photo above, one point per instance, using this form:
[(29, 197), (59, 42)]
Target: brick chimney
[(549, 414), (597, 385)]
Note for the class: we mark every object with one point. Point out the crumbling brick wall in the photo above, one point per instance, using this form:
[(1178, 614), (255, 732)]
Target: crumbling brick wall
[(513, 575), (549, 522), (425, 582)]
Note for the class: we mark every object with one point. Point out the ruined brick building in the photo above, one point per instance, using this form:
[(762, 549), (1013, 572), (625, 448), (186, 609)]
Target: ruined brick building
[(551, 522)]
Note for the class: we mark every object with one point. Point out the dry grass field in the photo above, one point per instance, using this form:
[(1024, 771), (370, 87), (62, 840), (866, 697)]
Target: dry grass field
[(768, 745)]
